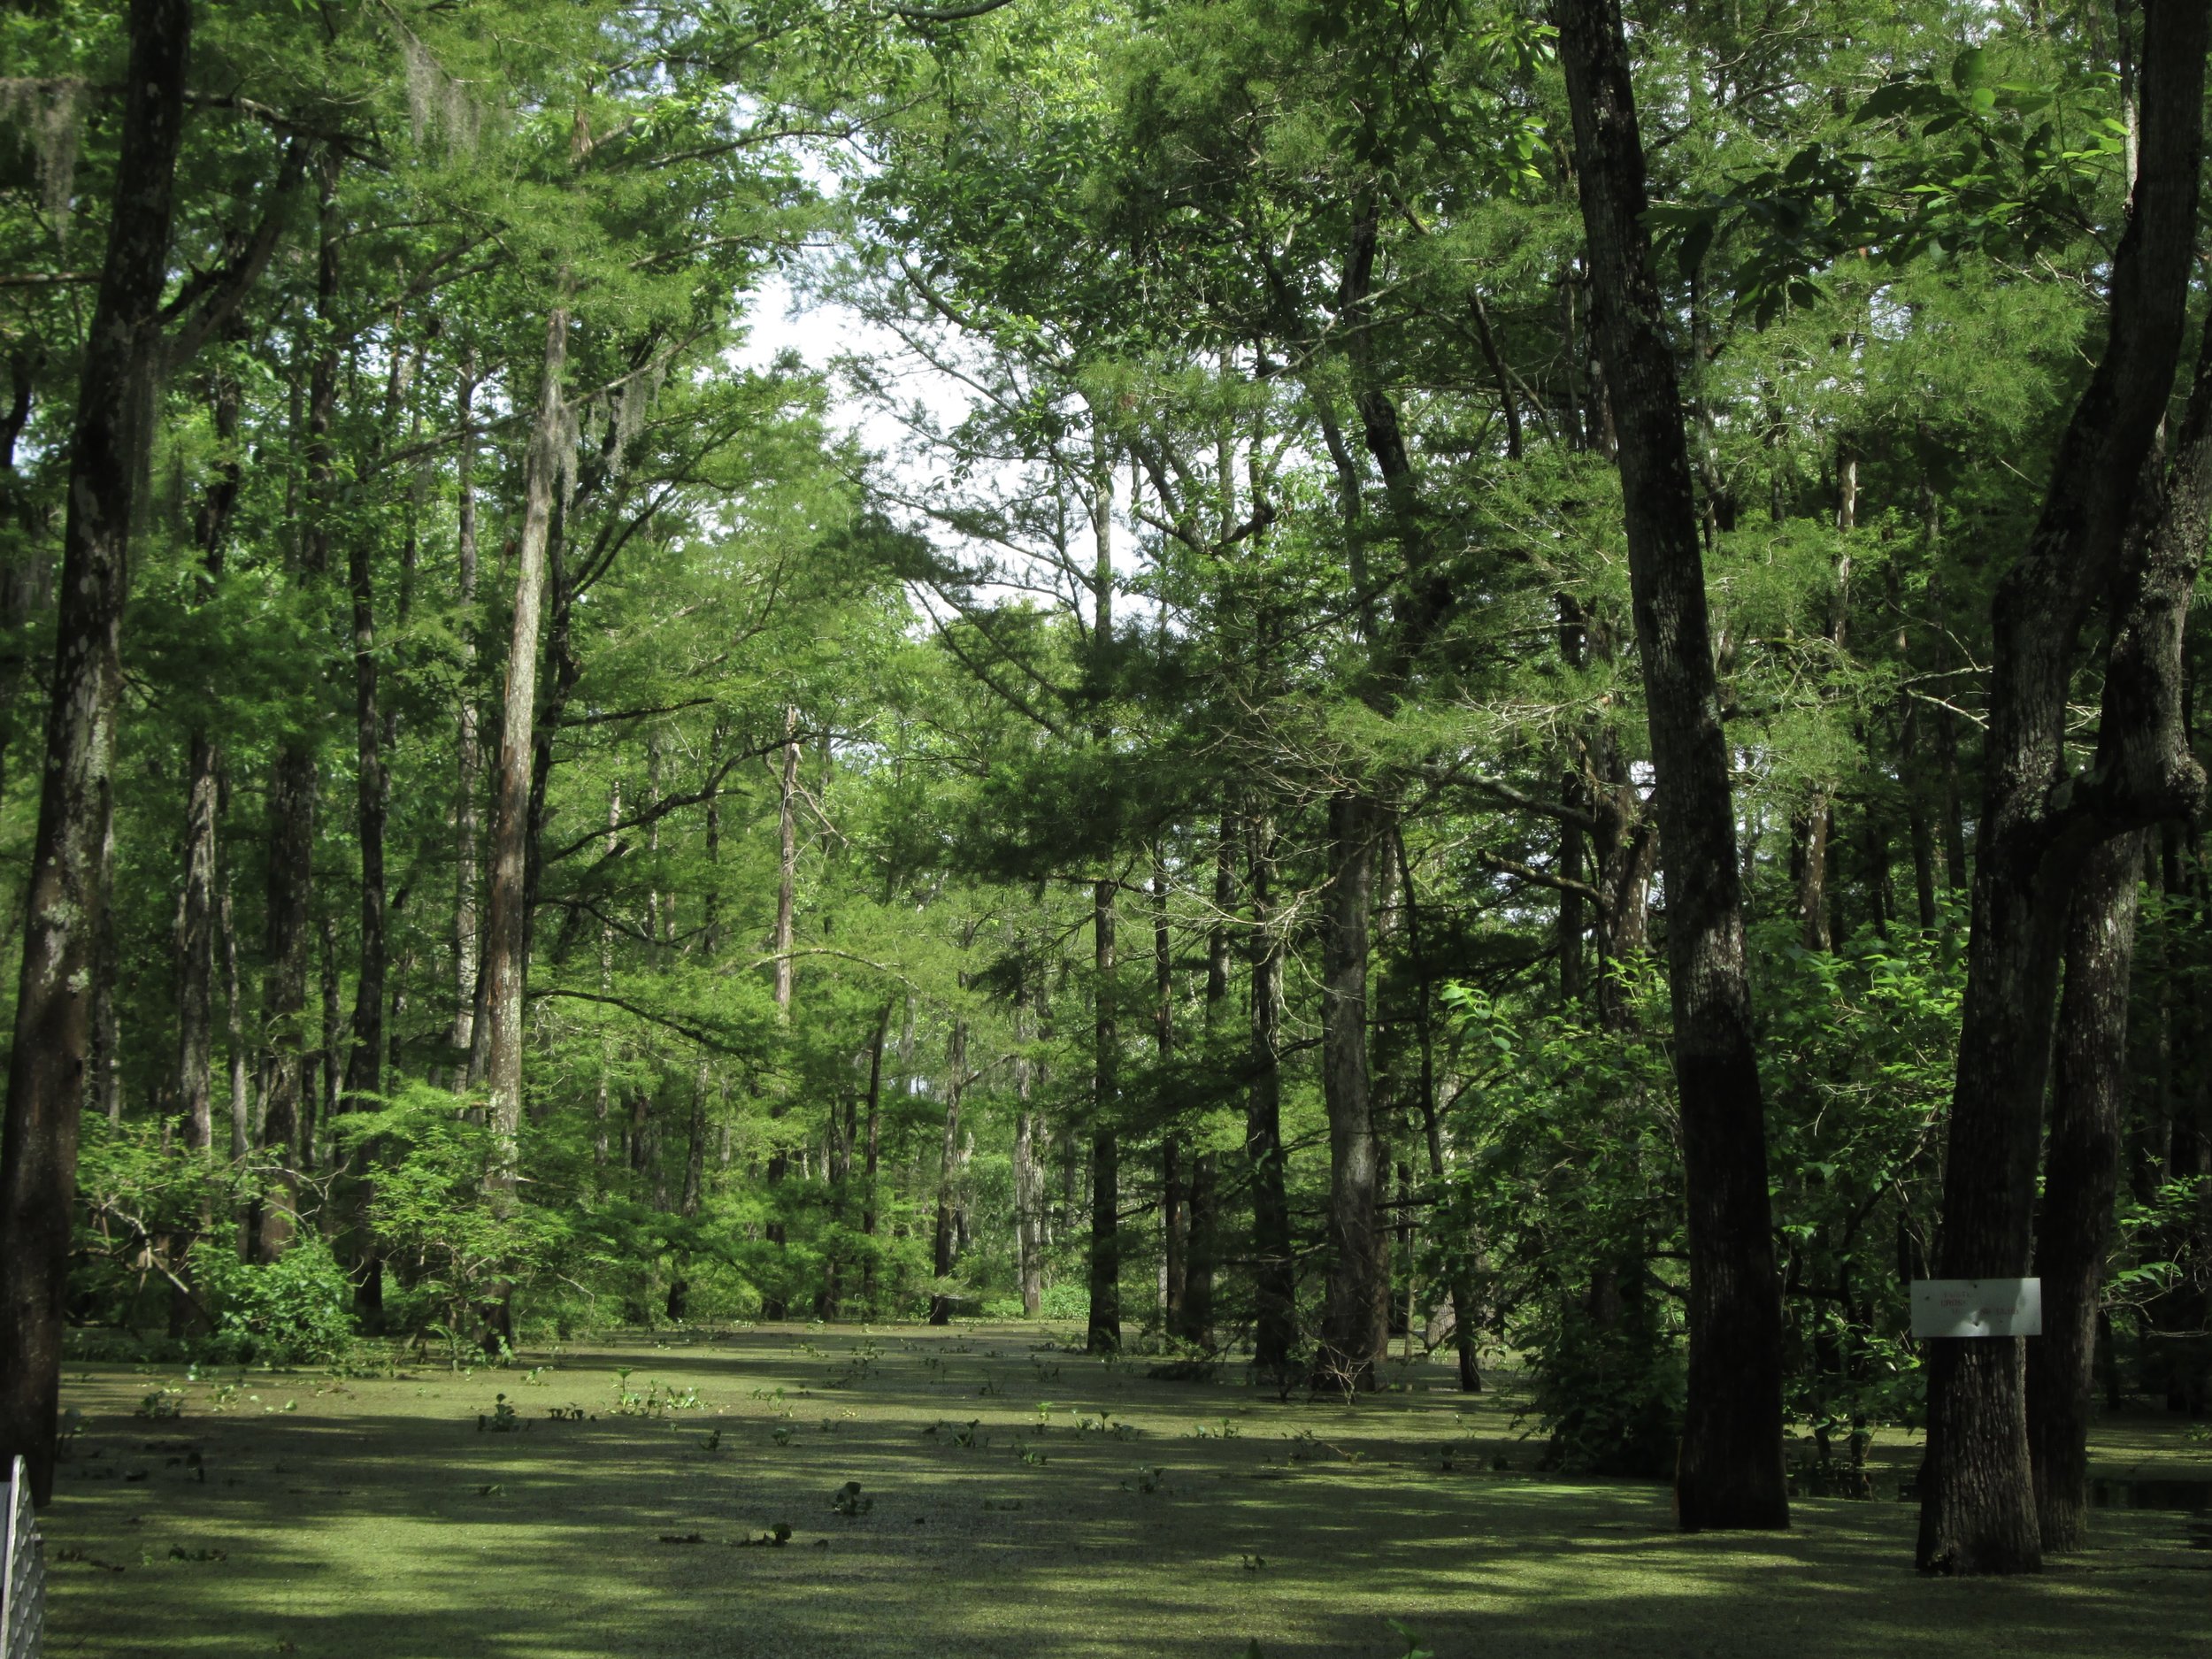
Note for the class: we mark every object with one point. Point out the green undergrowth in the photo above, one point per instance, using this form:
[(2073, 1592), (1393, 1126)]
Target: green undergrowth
[(981, 1490)]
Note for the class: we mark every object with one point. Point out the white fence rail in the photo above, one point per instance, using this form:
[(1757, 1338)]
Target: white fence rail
[(23, 1592)]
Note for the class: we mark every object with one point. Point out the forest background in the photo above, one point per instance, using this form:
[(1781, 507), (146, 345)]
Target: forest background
[(1130, 792)]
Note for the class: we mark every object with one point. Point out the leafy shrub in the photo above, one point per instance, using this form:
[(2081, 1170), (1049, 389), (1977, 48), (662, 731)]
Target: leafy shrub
[(448, 1249), (297, 1309), (1566, 1193), (1057, 1301), (1064, 1302)]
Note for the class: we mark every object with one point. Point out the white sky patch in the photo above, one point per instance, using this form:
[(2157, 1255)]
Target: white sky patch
[(785, 316)]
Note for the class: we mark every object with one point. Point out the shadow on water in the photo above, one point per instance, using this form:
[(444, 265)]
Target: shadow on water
[(2192, 1496)]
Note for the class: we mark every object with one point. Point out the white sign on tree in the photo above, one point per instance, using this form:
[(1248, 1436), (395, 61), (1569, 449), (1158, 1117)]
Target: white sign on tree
[(1977, 1307)]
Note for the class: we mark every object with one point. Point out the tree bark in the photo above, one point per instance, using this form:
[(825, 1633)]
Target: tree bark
[(1274, 1269), (1103, 1334), (203, 791), (2088, 1094), (468, 743), (787, 857), (786, 869), (507, 930), (948, 1173), (1978, 1500), (364, 1064), (1353, 1332), (1461, 1279), (1202, 1244), (1174, 1215), (241, 1127), (868, 1215), (72, 858), (292, 782), (25, 583), (1729, 1473)]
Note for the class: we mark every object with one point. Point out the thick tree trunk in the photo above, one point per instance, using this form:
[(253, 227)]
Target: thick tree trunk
[(1353, 1332), (1103, 1335), (2088, 1093), (71, 856), (1274, 1269), (1729, 1473), (507, 930), (1978, 1500)]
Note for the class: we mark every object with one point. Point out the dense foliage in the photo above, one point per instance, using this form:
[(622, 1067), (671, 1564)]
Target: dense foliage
[(959, 760)]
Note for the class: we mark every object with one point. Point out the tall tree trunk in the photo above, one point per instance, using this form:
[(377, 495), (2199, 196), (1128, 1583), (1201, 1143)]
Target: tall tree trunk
[(1029, 1171), (241, 1125), (948, 1173), (2088, 1093), (1174, 1218), (507, 930), (364, 1063), (24, 582), (1978, 1499), (468, 743), (1813, 827), (1203, 1247), (315, 1130), (1274, 1269), (195, 949), (1353, 1332), (1460, 1276), (787, 857), (293, 783), (787, 876), (606, 988), (1729, 1473), (679, 1304), (870, 1159), (1103, 1334), (202, 792), (70, 859)]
